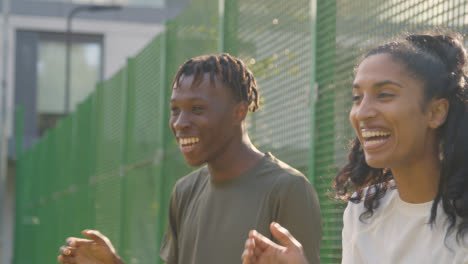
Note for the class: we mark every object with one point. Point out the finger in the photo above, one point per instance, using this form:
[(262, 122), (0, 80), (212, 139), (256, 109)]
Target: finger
[(261, 241), (244, 256), (249, 244), (248, 257), (283, 236), (248, 250), (67, 251), (66, 259), (76, 242), (257, 252), (95, 235)]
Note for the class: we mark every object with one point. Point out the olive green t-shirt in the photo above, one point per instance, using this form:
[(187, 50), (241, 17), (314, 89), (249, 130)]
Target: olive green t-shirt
[(209, 220)]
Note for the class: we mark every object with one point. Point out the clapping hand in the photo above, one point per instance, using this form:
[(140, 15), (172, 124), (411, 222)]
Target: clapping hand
[(261, 250), (96, 250)]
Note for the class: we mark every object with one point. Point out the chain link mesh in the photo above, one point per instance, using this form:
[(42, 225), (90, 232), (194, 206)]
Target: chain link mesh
[(112, 164)]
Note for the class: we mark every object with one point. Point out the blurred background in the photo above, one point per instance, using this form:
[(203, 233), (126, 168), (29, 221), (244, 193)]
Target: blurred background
[(84, 140)]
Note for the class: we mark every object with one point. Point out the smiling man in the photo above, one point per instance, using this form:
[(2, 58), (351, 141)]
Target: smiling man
[(240, 188)]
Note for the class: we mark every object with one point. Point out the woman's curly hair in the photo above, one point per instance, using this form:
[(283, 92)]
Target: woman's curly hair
[(439, 61)]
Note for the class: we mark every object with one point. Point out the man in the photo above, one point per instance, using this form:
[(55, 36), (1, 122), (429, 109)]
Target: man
[(213, 208)]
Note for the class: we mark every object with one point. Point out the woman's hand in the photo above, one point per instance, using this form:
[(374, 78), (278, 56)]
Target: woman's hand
[(259, 249)]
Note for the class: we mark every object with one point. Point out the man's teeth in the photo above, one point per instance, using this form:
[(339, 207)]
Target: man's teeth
[(190, 140), (368, 134)]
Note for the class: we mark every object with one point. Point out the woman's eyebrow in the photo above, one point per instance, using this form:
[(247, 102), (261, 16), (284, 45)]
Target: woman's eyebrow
[(380, 84), (386, 82)]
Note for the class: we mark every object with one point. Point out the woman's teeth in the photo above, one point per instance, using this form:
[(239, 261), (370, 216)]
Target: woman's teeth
[(373, 138), (368, 134), (368, 143)]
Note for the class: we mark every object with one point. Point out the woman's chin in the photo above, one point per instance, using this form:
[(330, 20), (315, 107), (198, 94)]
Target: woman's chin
[(376, 163)]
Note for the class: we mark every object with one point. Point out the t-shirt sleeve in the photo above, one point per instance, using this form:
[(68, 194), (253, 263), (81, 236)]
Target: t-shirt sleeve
[(169, 251), (299, 212)]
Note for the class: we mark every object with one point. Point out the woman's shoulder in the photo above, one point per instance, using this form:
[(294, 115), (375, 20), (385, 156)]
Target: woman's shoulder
[(355, 209)]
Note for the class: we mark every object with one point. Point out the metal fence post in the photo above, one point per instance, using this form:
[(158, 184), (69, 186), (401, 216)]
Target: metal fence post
[(313, 86), (227, 35), (128, 83), (162, 129)]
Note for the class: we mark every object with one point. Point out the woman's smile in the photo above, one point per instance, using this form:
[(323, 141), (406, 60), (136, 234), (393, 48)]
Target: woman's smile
[(374, 138)]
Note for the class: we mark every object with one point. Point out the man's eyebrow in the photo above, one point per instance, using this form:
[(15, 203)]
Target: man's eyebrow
[(192, 99), (380, 84)]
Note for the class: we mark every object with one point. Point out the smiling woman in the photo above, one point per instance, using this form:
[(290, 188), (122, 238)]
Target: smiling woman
[(407, 174), (414, 90), (407, 166)]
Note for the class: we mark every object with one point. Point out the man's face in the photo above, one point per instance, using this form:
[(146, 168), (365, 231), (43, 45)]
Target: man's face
[(202, 119)]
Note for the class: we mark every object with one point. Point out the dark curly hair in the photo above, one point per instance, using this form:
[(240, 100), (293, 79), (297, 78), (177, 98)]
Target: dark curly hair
[(438, 60), (231, 71)]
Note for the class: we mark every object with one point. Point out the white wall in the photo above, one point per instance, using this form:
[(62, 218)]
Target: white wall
[(121, 40)]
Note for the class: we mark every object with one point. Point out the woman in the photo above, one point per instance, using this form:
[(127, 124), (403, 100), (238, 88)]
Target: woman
[(406, 181)]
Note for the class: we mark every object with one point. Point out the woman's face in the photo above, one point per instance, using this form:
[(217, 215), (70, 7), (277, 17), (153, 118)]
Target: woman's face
[(387, 115)]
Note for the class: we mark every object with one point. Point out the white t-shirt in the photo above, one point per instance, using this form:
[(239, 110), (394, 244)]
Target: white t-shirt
[(398, 232)]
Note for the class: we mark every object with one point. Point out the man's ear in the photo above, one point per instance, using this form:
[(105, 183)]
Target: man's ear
[(438, 112), (240, 112)]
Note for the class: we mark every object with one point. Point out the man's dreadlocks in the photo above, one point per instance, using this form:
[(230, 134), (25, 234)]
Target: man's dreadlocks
[(231, 71)]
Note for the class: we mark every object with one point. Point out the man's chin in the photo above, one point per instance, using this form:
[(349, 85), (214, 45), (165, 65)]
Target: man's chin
[(194, 162)]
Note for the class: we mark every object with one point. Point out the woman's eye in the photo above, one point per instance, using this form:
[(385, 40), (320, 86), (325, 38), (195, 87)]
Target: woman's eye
[(385, 95)]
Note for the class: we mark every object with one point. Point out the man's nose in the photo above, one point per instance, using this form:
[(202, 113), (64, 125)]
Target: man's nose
[(182, 121)]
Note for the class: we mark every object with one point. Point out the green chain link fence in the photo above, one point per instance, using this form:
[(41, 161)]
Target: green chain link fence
[(112, 164)]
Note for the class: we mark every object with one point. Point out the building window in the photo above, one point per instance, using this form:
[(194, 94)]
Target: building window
[(40, 76), (85, 71)]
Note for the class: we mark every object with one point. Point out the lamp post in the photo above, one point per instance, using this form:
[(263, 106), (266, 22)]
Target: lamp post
[(71, 14), (4, 113)]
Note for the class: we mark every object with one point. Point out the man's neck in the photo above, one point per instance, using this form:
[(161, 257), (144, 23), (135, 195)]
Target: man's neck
[(239, 158)]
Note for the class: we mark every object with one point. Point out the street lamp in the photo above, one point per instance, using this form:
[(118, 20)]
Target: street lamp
[(71, 14)]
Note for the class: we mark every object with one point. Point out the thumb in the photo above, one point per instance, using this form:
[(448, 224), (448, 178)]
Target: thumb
[(95, 235), (283, 236)]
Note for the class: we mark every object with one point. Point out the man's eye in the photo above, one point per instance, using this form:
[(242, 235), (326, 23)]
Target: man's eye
[(174, 110), (197, 109), (356, 98)]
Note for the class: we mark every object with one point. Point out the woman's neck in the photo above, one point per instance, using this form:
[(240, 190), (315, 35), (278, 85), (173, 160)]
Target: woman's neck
[(419, 182)]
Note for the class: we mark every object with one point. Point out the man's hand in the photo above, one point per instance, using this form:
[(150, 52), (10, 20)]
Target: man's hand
[(96, 250), (260, 250)]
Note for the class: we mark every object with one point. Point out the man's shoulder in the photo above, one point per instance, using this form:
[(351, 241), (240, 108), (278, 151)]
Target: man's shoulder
[(192, 179), (281, 171)]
